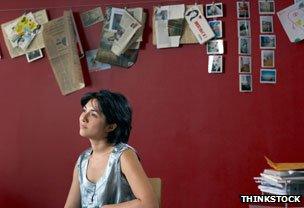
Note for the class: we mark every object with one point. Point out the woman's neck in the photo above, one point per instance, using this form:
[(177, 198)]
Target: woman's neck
[(100, 147)]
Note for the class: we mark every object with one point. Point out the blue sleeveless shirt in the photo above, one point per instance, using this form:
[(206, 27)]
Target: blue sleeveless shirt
[(111, 188)]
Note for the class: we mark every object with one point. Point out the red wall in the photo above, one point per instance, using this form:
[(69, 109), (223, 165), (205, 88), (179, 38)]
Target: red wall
[(194, 130)]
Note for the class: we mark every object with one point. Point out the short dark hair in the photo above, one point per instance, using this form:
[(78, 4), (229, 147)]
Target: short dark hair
[(117, 110)]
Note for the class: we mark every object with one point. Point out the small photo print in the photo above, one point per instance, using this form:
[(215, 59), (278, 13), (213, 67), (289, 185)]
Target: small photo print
[(267, 58), (243, 9), (244, 46), (268, 76), (95, 65), (245, 83), (34, 55), (216, 26), (244, 28), (215, 64), (215, 47), (266, 7), (267, 41), (266, 24), (214, 10), (244, 64)]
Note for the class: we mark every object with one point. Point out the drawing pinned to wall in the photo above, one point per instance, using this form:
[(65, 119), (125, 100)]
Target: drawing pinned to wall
[(244, 46), (244, 28), (267, 58), (267, 41), (292, 20)]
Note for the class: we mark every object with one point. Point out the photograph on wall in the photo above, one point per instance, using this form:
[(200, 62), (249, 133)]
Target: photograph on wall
[(244, 28), (245, 81), (215, 64), (267, 41), (216, 26), (91, 17), (94, 65), (115, 19), (214, 10), (215, 47), (243, 9), (34, 55), (244, 64), (244, 46), (267, 58), (266, 24), (268, 76), (266, 7)]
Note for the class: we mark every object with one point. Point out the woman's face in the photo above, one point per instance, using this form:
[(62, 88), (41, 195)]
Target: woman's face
[(92, 121)]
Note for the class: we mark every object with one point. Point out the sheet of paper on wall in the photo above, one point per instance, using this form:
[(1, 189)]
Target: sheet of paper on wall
[(113, 17), (35, 44), (169, 22), (91, 17), (292, 20), (94, 65), (198, 25), (61, 48), (187, 36), (128, 26)]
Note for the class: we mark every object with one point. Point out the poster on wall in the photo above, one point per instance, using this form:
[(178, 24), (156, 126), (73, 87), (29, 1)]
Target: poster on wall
[(292, 20)]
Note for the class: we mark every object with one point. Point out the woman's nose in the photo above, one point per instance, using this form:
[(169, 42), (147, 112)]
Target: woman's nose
[(84, 117)]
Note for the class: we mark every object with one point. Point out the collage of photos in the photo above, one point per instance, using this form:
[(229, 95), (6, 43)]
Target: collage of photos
[(215, 47), (244, 45), (267, 42)]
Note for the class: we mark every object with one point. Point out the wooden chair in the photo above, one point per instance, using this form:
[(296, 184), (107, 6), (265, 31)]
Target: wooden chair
[(156, 185)]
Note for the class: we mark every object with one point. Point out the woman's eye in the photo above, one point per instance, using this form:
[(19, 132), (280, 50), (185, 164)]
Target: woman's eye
[(94, 114)]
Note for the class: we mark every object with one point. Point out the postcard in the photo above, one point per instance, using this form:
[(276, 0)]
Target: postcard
[(91, 17)]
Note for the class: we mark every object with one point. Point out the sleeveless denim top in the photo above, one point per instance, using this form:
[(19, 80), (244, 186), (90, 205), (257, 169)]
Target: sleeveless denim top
[(111, 188)]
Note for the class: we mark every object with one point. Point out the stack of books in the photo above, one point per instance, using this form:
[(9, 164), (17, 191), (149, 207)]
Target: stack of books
[(276, 182)]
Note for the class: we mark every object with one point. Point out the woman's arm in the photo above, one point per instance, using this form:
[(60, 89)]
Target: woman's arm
[(73, 200), (139, 182)]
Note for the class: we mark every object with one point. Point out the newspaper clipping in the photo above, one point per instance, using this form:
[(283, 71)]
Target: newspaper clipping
[(91, 17), (61, 48)]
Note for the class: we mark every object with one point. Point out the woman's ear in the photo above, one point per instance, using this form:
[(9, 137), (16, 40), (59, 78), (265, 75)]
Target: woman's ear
[(111, 127)]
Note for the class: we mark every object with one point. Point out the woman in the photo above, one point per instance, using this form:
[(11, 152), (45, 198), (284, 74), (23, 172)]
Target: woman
[(109, 174)]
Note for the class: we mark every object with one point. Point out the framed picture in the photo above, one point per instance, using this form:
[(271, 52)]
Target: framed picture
[(115, 18), (267, 58), (245, 81), (266, 7), (244, 46), (243, 9), (216, 26), (215, 47), (244, 28), (268, 76), (244, 64), (214, 10), (266, 24), (215, 64), (34, 55), (267, 41)]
